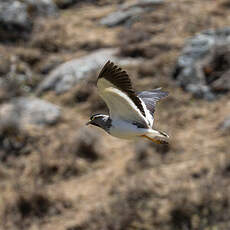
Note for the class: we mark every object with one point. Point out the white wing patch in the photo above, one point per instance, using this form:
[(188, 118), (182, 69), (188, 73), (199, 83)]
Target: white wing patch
[(148, 115), (121, 107)]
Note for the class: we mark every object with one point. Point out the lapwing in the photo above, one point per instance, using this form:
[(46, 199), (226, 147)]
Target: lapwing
[(131, 114)]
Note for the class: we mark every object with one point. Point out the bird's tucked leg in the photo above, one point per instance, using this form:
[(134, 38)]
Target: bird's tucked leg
[(157, 141)]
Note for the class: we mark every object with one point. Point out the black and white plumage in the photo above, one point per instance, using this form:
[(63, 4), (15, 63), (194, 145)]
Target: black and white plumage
[(131, 115)]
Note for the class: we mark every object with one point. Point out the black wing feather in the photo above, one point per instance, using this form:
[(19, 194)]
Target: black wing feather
[(121, 80)]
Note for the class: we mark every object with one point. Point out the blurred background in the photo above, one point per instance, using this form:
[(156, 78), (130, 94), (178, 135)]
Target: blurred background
[(55, 173)]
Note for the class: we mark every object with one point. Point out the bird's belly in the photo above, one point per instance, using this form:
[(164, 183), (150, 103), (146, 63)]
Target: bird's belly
[(125, 130)]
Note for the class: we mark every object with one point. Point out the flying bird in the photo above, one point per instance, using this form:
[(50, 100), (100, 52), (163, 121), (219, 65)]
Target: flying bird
[(131, 114)]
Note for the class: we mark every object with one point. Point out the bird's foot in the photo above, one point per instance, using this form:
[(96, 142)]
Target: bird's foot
[(157, 141)]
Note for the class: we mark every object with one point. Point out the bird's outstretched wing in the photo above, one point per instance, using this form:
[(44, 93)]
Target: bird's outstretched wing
[(116, 90), (150, 99)]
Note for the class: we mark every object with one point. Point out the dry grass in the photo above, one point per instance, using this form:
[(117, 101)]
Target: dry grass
[(72, 178)]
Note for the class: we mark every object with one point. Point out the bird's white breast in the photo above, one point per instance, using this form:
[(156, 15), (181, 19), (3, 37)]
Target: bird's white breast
[(126, 130)]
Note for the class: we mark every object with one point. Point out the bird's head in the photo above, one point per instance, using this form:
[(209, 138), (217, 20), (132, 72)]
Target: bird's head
[(99, 120)]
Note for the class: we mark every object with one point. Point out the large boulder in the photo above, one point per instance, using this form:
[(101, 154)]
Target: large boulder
[(14, 20), (16, 17), (203, 67), (67, 75), (22, 111)]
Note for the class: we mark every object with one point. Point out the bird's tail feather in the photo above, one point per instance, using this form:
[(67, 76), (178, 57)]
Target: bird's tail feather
[(157, 137)]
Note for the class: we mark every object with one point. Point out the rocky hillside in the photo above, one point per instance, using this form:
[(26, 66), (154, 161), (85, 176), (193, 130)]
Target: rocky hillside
[(56, 173)]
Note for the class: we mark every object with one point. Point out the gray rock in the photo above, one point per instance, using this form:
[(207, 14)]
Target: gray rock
[(9, 88), (65, 76), (129, 11), (142, 3), (223, 83), (13, 12), (197, 53), (150, 2), (23, 111), (16, 17), (68, 74), (42, 7), (120, 16), (18, 80), (200, 91), (225, 125)]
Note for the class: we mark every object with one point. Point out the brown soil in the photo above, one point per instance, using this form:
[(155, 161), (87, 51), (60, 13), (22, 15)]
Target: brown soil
[(58, 180)]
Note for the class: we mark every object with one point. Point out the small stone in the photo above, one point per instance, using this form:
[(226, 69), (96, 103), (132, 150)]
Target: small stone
[(120, 17), (142, 3), (225, 125), (223, 83), (148, 3), (129, 11)]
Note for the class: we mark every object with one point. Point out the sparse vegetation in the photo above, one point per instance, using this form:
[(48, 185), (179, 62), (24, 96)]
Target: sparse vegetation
[(64, 176)]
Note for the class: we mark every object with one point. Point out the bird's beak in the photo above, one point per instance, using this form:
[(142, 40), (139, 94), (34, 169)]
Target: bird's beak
[(88, 123)]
